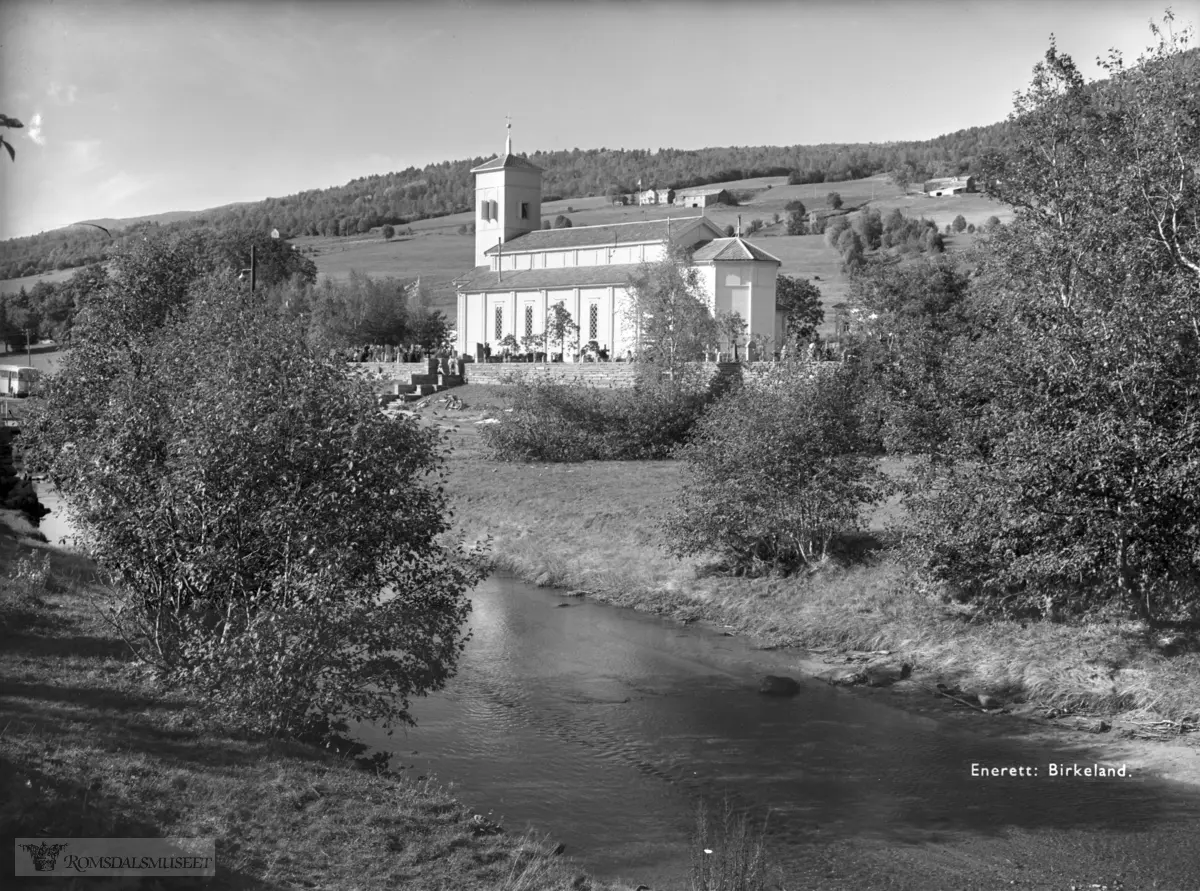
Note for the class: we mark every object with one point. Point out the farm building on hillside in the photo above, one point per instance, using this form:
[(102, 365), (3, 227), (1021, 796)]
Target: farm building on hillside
[(649, 196), (951, 185), (701, 197), (523, 270)]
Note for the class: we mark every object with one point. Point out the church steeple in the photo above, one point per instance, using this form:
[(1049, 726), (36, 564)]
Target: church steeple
[(508, 199)]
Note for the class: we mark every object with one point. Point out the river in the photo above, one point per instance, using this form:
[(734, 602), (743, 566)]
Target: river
[(605, 727)]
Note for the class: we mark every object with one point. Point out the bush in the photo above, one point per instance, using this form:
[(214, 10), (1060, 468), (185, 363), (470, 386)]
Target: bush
[(575, 422), (253, 503), (774, 472)]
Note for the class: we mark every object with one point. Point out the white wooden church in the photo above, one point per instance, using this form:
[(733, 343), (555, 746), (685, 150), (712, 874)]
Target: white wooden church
[(521, 269)]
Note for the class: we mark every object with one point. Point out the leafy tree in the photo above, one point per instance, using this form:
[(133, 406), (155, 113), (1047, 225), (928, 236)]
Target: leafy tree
[(669, 313), (562, 222), (991, 224), (1075, 482), (796, 205), (834, 200), (560, 329), (800, 301), (869, 225), (277, 540), (774, 474), (9, 123), (797, 223), (850, 245), (389, 232), (960, 223), (731, 328)]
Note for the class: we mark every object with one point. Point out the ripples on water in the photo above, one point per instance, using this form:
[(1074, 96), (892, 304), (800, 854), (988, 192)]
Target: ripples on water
[(606, 727)]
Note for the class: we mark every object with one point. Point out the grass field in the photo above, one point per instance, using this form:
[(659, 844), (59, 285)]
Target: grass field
[(597, 527), (92, 746), (438, 254)]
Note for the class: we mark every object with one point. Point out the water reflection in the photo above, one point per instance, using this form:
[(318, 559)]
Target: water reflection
[(606, 727)]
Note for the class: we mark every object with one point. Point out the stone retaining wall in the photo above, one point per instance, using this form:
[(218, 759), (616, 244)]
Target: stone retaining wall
[(389, 370), (596, 374)]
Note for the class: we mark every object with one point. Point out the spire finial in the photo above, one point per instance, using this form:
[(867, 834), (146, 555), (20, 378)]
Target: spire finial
[(508, 135)]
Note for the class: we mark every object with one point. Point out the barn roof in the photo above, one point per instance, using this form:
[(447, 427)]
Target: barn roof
[(698, 191), (732, 249), (614, 235)]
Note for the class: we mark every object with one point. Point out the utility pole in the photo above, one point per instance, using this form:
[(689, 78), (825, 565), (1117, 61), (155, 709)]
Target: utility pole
[(253, 268), (28, 351)]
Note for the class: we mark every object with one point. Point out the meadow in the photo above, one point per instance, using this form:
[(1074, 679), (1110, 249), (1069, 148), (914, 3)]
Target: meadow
[(597, 527)]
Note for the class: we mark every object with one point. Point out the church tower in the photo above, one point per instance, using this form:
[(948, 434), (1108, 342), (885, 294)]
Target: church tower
[(508, 200)]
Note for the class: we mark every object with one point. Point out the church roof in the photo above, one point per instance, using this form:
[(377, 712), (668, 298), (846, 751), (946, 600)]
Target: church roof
[(732, 249), (501, 162), (484, 278), (614, 235)]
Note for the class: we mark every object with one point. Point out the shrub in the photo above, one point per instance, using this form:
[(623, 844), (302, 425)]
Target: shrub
[(575, 422), (253, 503), (774, 472)]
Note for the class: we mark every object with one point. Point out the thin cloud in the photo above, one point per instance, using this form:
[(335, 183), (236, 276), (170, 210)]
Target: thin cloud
[(35, 129), (63, 95)]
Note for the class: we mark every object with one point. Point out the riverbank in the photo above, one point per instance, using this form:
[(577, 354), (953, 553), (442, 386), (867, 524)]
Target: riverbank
[(91, 745), (595, 527)]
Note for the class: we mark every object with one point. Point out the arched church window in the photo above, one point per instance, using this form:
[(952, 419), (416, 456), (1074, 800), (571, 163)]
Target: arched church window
[(499, 323), (593, 321), (529, 320)]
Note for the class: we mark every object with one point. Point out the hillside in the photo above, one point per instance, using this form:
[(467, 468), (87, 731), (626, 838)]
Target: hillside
[(446, 188)]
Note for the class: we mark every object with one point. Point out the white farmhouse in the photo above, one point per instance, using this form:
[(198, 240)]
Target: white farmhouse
[(522, 270)]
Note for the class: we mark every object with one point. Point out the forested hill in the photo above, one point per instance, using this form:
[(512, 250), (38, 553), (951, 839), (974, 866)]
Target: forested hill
[(448, 187)]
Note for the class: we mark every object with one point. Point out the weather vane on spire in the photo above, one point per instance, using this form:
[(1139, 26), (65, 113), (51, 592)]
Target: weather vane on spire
[(508, 135)]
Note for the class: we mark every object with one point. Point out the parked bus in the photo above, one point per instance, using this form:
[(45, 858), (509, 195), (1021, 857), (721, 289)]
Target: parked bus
[(17, 380)]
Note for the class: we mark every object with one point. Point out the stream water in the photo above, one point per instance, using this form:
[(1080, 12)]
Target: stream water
[(606, 728)]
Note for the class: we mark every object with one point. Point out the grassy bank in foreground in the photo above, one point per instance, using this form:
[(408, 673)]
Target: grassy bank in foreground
[(596, 527), (90, 745)]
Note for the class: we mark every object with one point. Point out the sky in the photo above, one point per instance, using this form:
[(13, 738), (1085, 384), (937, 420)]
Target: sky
[(147, 106)]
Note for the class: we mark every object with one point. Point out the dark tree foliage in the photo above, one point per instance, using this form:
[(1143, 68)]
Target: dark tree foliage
[(9, 123), (573, 422), (1071, 478), (907, 318), (275, 539), (800, 301), (774, 472)]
